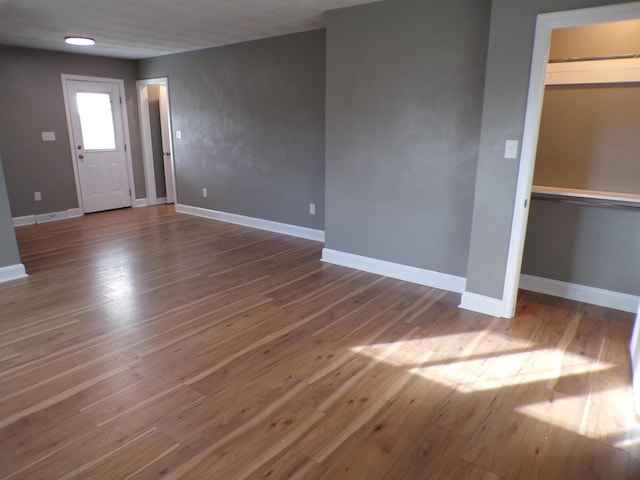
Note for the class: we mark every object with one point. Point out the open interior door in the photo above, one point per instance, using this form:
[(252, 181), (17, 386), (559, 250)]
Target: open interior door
[(166, 144)]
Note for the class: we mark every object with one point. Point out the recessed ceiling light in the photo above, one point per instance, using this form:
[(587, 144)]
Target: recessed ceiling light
[(83, 41)]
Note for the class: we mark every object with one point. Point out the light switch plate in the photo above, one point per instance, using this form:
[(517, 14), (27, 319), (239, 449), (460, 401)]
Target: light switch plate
[(48, 136), (511, 149), (178, 134)]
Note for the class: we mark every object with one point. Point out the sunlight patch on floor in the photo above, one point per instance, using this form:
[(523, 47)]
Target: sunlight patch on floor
[(505, 370), (487, 360)]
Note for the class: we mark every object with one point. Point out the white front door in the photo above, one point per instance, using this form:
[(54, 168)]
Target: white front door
[(95, 113)]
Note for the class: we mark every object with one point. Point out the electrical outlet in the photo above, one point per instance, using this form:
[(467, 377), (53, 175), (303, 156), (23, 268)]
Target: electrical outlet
[(204, 192), (48, 136), (312, 208), (37, 196)]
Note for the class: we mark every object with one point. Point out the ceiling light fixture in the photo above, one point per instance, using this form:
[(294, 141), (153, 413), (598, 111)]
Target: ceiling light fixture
[(82, 41)]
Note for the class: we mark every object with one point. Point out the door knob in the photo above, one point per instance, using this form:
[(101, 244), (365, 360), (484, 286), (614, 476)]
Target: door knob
[(81, 157)]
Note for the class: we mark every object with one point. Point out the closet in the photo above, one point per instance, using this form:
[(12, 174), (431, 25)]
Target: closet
[(583, 236)]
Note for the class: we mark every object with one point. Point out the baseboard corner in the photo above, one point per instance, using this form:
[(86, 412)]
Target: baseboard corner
[(12, 272), (481, 304)]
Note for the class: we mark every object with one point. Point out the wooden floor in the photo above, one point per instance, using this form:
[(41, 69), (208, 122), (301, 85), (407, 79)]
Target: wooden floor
[(147, 344)]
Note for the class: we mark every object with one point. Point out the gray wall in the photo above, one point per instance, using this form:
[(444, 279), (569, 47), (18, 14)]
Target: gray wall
[(9, 254), (404, 90), (32, 102), (593, 246), (506, 85), (153, 92), (252, 123)]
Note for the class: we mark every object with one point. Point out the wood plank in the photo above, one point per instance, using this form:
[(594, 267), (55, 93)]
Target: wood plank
[(148, 344)]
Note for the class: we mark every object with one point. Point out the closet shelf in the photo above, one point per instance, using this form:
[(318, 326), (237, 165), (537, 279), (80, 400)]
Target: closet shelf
[(586, 197)]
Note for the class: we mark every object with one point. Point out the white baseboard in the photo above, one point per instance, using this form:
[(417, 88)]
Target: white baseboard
[(12, 272), (22, 221), (580, 293), (420, 276), (482, 304), (46, 217), (52, 217), (144, 202), (259, 223)]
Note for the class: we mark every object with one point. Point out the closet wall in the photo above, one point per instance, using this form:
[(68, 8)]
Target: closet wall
[(589, 139)]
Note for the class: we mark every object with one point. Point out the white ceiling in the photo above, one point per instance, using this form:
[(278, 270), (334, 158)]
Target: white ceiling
[(147, 28)]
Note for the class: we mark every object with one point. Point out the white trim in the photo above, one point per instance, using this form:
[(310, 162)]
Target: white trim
[(420, 276), (580, 293), (164, 96), (12, 272), (53, 216), (634, 350), (47, 217), (481, 304), (631, 198), (125, 126), (271, 226), (625, 70), (145, 135), (145, 202), (22, 221), (544, 26)]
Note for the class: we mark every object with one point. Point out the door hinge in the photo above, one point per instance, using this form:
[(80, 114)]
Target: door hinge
[(129, 192), (120, 100), (125, 147)]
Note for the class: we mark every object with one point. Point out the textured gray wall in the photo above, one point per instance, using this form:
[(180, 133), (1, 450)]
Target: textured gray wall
[(593, 246), (32, 102), (505, 95), (252, 123), (9, 254), (153, 92), (589, 138), (404, 91)]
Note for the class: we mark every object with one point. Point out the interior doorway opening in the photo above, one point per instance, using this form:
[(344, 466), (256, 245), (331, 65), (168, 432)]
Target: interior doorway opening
[(545, 25), (157, 144)]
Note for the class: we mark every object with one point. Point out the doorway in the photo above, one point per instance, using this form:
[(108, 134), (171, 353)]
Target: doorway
[(545, 24), (98, 135), (157, 145)]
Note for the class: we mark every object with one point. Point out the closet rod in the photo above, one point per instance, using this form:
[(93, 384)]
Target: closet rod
[(590, 59), (585, 201)]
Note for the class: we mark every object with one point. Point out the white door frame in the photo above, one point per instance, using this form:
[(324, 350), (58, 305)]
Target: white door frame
[(125, 125), (145, 132), (545, 24), (634, 350)]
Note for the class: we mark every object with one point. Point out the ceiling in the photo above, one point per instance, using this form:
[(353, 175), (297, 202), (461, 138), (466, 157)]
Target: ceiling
[(147, 28)]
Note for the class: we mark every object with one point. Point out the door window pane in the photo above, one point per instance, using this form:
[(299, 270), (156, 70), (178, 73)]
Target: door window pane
[(96, 121)]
